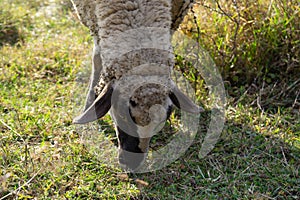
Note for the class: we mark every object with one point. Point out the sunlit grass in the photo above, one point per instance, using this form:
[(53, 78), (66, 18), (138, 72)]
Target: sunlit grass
[(42, 155)]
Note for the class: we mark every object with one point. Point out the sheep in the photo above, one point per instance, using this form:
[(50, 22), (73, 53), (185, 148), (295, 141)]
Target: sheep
[(131, 65)]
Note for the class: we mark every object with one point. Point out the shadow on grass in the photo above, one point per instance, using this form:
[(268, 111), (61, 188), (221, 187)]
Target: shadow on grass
[(9, 35), (243, 165)]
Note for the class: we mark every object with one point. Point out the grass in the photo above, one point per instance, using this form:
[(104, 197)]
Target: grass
[(42, 155)]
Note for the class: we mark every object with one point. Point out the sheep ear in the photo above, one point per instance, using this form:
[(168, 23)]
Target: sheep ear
[(98, 108), (181, 101), (96, 70)]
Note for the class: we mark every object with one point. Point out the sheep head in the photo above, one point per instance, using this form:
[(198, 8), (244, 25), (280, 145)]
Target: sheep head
[(139, 104), (129, 37)]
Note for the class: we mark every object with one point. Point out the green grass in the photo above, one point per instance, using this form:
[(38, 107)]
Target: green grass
[(42, 156)]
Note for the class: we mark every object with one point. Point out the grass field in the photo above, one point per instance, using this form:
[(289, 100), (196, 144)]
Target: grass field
[(44, 50)]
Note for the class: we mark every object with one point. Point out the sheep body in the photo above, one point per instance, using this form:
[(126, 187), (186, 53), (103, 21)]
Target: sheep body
[(86, 10), (132, 61)]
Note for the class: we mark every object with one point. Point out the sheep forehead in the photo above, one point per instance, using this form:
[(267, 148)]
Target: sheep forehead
[(149, 94), (150, 104)]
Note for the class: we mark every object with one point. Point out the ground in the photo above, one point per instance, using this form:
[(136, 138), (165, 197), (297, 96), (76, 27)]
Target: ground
[(45, 51)]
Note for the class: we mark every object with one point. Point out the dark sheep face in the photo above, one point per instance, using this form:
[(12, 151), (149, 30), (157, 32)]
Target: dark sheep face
[(136, 119)]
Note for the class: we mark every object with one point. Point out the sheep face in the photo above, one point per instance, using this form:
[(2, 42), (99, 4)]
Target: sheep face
[(138, 115), (137, 119)]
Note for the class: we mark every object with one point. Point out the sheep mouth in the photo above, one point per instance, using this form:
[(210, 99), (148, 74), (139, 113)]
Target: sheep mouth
[(129, 161), (132, 150)]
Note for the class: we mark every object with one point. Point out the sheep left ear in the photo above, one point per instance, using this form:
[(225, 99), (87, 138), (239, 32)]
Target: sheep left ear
[(96, 70), (99, 107), (181, 101)]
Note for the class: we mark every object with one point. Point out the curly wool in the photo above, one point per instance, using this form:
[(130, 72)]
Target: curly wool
[(110, 20), (123, 28), (86, 12), (130, 34)]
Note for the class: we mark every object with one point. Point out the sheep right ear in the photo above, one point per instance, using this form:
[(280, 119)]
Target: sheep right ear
[(99, 107), (181, 101)]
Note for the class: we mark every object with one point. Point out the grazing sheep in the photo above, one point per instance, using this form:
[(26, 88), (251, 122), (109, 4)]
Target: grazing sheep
[(132, 62)]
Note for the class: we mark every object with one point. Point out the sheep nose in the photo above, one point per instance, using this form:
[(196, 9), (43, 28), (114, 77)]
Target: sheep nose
[(131, 161)]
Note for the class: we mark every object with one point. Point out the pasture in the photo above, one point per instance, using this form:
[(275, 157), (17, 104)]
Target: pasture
[(256, 46)]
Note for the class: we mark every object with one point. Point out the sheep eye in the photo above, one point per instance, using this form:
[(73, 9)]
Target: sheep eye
[(133, 103)]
